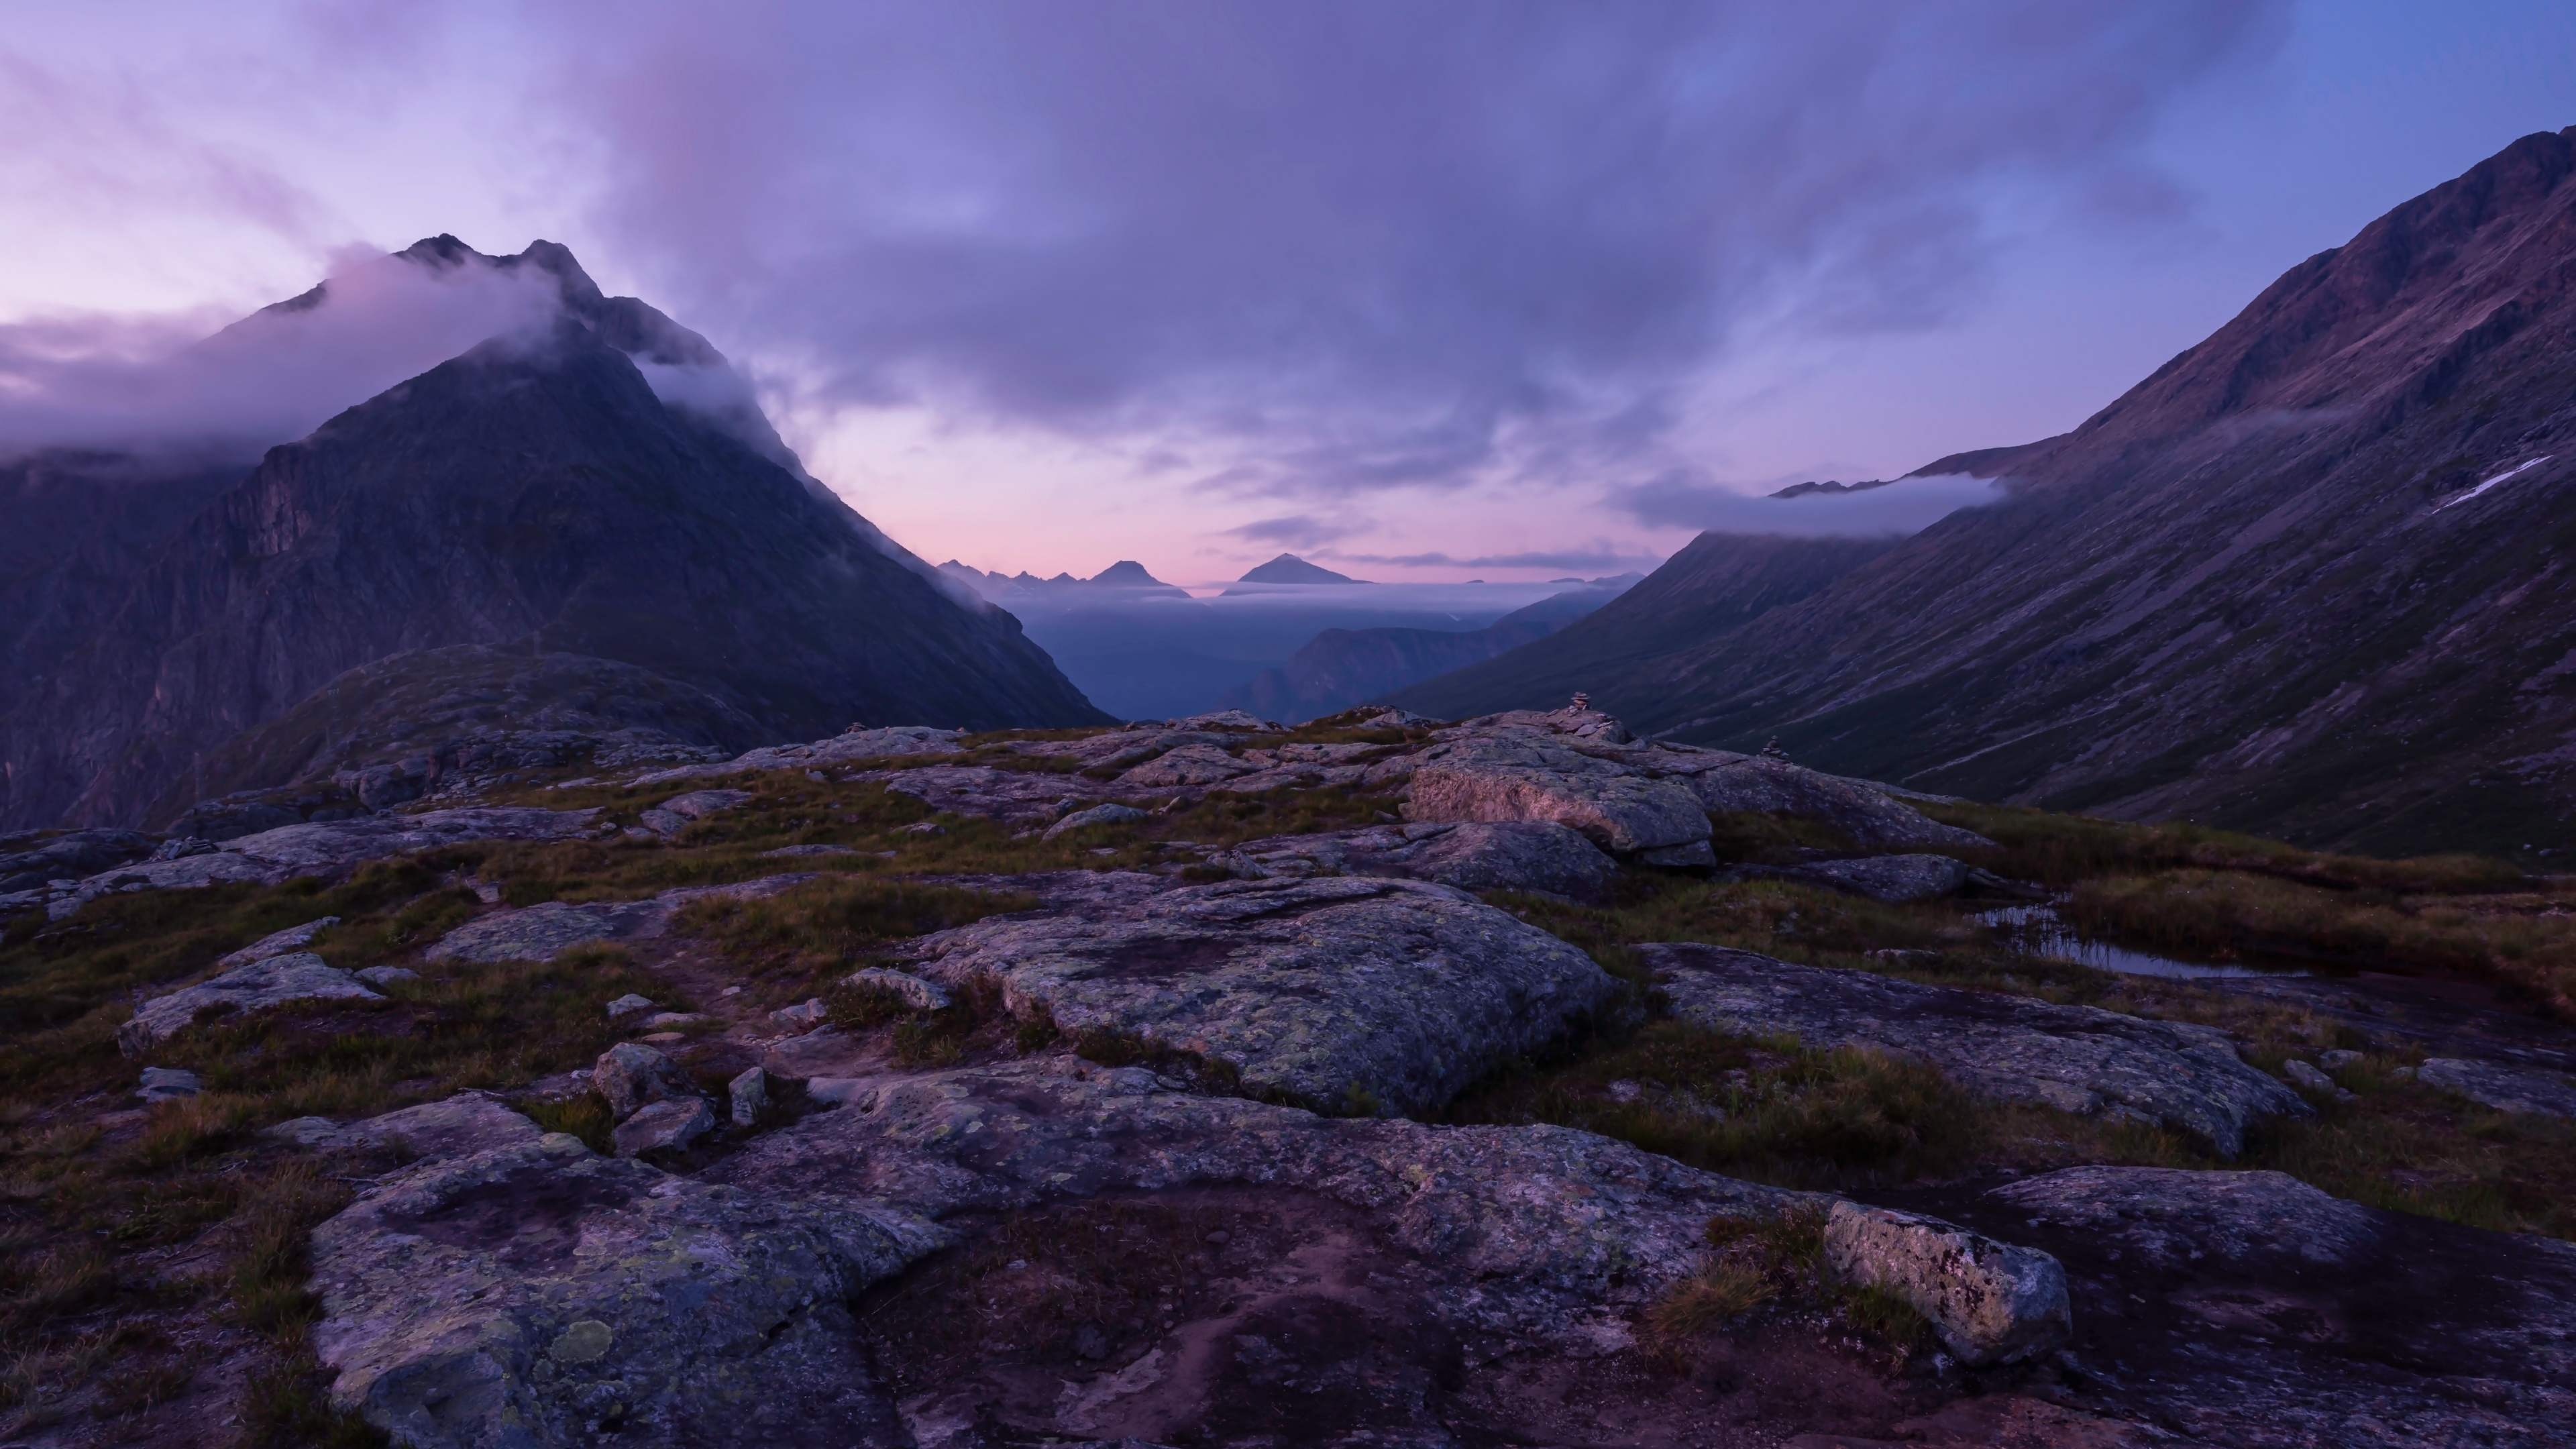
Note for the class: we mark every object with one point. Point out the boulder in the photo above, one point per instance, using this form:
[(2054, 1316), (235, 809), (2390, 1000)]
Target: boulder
[(747, 1096), (803, 1014), (270, 982), (916, 993), (629, 1075), (1097, 815), (1895, 879), (1514, 855), (2529, 1090), (629, 1004), (2172, 1218), (458, 1126), (1990, 1302), (1344, 993), (536, 1294), (546, 930), (669, 817), (664, 1126), (1524, 776), (28, 862), (1188, 765), (1536, 1234), (167, 1084), (1868, 815), (383, 976), (2078, 1059), (849, 748)]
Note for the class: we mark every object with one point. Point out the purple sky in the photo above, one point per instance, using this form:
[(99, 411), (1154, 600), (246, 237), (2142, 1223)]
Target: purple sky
[(1424, 290)]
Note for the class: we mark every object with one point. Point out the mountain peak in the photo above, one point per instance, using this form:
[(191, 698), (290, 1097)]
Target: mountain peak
[(1290, 569)]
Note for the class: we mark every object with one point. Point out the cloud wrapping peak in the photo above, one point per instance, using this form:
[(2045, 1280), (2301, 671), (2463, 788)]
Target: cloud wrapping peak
[(1345, 245), (162, 386), (1906, 506)]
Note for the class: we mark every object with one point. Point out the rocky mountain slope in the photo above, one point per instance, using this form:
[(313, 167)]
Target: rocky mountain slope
[(538, 492), (1340, 668), (1716, 585), (2310, 576), (1511, 1080)]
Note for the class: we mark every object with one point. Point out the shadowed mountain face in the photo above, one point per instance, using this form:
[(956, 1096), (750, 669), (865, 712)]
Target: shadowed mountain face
[(1340, 668), (1715, 585), (536, 492), (2311, 577)]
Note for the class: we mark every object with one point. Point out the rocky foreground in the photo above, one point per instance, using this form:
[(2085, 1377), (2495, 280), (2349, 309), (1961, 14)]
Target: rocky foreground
[(915, 1089)]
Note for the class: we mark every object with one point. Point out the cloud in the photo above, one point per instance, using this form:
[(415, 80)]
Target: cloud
[(1908, 505), (1342, 245), (161, 385), (1600, 556), (1293, 532)]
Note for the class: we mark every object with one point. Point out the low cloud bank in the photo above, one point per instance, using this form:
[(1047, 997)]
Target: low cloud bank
[(161, 386), (1906, 506)]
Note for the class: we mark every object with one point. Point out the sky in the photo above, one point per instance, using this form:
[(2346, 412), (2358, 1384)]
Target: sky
[(1421, 289)]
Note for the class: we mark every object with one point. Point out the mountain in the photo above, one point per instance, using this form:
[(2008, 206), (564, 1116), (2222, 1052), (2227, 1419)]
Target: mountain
[(2310, 577), (1340, 668), (600, 485), (1004, 588), (1290, 569), (1715, 585)]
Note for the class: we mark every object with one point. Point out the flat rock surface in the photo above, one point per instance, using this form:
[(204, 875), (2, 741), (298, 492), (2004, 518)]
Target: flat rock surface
[(458, 1126), (539, 1294), (543, 931), (2529, 1090), (1517, 855), (1528, 775), (261, 984), (2013, 1048), (1541, 1227), (1016, 797), (1894, 879), (854, 746), (1338, 992), (2303, 1321), (1872, 818)]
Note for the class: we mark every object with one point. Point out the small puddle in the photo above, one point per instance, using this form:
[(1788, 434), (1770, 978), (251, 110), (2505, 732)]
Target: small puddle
[(2035, 930)]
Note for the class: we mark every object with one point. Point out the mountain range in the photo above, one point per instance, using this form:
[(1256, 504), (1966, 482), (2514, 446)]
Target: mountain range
[(595, 487), (2310, 577)]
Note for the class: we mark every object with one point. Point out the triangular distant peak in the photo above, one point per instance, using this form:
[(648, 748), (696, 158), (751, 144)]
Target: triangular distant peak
[(1126, 572), (1287, 568)]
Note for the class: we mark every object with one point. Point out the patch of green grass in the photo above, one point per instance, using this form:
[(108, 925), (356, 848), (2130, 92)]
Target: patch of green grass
[(1764, 1110), (832, 925), (2064, 849), (2230, 914)]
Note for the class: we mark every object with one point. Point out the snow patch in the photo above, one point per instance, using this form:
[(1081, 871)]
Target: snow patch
[(2513, 472)]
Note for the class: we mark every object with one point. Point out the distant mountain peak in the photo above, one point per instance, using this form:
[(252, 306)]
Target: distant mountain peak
[(1290, 569), (1801, 490), (1127, 574)]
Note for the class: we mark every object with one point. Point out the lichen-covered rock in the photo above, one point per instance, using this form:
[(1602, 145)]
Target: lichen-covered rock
[(167, 1084), (1518, 775), (1894, 879), (1188, 765), (546, 930), (327, 848), (277, 943), (1111, 814), (384, 976), (630, 1074), (270, 982), (1872, 818), (1541, 1233), (1514, 855), (2175, 1218), (537, 1294), (2076, 1058), (629, 1005), (1990, 1302), (850, 747), (1338, 992), (664, 1126), (1016, 797), (916, 993), (747, 1096), (2533, 1091), (458, 1126)]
